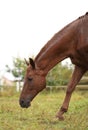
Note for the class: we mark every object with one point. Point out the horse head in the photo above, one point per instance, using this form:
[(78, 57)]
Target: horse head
[(34, 82)]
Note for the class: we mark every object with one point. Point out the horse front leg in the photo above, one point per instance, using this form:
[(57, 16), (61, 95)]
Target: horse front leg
[(77, 74)]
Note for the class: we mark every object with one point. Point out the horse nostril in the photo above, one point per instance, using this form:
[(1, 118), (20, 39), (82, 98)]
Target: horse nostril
[(22, 103)]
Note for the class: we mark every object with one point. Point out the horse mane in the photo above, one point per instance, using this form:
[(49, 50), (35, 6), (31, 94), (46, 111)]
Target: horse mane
[(83, 16)]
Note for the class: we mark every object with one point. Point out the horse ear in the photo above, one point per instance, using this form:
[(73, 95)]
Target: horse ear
[(32, 63), (26, 62)]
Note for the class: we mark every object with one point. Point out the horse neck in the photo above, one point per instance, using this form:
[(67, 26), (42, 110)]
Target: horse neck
[(56, 50), (49, 59)]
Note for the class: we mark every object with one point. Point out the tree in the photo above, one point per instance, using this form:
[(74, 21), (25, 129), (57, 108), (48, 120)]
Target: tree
[(59, 75), (18, 69)]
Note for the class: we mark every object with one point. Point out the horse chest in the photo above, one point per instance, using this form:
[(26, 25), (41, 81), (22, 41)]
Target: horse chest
[(80, 59)]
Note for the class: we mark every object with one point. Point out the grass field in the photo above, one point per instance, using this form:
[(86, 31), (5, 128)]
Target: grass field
[(41, 114)]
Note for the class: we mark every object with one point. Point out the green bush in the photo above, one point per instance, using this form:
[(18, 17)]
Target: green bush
[(59, 75)]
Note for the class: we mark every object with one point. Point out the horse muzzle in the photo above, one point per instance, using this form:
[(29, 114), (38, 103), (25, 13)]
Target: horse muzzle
[(25, 103)]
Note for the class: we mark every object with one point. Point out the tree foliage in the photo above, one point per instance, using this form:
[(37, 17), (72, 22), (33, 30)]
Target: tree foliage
[(59, 75), (18, 69)]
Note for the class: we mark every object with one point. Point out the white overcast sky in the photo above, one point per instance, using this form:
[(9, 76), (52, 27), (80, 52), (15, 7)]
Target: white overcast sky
[(26, 25)]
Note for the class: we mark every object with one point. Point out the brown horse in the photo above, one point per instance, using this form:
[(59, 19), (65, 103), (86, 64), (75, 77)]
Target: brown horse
[(72, 42)]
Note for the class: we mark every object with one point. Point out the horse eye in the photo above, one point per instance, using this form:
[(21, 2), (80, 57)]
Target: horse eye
[(29, 79)]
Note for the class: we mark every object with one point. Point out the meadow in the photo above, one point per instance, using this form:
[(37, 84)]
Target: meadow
[(41, 114)]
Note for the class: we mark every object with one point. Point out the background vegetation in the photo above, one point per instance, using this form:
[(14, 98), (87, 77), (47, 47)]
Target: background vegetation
[(18, 69), (59, 75)]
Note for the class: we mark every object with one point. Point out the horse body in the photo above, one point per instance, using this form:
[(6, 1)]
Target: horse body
[(72, 42)]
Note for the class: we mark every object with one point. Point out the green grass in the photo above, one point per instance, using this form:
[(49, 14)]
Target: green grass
[(41, 114)]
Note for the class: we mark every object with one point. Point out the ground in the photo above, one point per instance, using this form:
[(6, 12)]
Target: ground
[(41, 114)]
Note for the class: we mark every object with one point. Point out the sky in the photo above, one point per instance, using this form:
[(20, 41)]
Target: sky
[(27, 25)]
